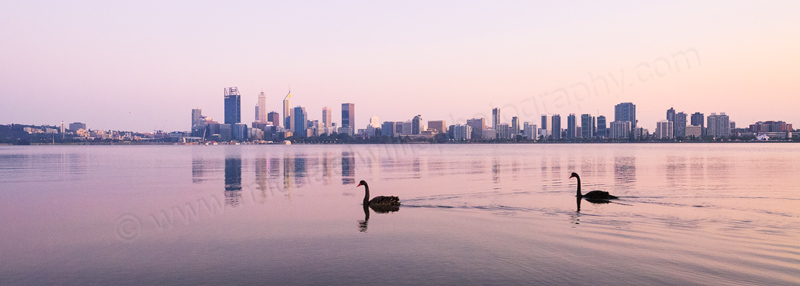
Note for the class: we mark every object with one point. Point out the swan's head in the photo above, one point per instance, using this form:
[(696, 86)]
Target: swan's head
[(362, 183), (574, 175)]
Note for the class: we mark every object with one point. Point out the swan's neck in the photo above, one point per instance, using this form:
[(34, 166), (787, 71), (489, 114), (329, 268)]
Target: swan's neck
[(366, 194), (579, 187)]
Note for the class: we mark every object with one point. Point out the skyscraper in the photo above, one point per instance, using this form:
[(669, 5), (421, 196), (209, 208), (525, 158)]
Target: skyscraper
[(274, 118), (287, 120), (495, 118), (572, 126), (544, 121), (326, 117), (587, 126), (233, 106), (515, 127), (601, 127), (477, 125), (555, 127), (718, 125), (679, 125), (348, 115), (299, 117), (416, 124), (261, 108), (699, 120), (197, 116), (671, 114), (664, 129), (625, 111)]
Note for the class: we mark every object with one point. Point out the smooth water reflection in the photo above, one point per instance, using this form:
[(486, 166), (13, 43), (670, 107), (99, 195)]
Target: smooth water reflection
[(471, 214)]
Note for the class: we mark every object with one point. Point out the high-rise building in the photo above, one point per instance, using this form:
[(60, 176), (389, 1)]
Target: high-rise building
[(261, 108), (300, 126), (664, 129), (274, 118), (374, 123), (699, 120), (515, 127), (620, 130), (572, 126), (530, 131), (233, 105), (601, 127), (495, 118), (587, 126), (197, 117), (416, 125), (544, 121), (625, 111), (477, 125), (388, 129), (326, 117), (671, 114), (437, 126), (461, 132), (503, 131), (718, 125), (348, 115), (679, 125), (555, 127), (287, 116), (693, 131)]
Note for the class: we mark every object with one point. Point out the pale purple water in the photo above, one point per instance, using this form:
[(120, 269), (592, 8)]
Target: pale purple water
[(473, 214)]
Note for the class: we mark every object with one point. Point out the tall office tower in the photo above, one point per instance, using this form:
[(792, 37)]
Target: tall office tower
[(477, 125), (326, 117), (718, 125), (572, 126), (495, 118), (679, 125), (699, 120), (287, 117), (671, 114), (274, 118), (348, 115), (416, 125), (601, 127), (625, 111), (530, 131), (63, 129), (555, 127), (664, 129), (197, 117), (299, 117), (261, 108), (515, 127), (587, 126), (233, 105), (544, 121)]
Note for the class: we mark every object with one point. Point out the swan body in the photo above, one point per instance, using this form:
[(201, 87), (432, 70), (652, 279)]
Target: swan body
[(593, 195), (379, 201)]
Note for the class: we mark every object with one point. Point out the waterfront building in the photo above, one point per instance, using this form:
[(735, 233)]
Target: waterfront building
[(299, 118), (233, 105), (437, 126), (555, 127), (625, 111), (477, 124), (664, 129), (587, 126), (348, 114), (601, 127)]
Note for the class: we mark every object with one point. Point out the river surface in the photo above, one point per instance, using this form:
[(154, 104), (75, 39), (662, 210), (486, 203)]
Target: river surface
[(472, 214)]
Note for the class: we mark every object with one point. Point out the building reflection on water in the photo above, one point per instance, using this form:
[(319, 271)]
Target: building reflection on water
[(348, 168), (233, 180)]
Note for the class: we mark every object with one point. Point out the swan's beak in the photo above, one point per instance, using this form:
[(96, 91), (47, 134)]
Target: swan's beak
[(571, 176), (359, 185)]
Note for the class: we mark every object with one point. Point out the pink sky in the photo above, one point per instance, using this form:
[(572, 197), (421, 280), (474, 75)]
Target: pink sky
[(144, 65)]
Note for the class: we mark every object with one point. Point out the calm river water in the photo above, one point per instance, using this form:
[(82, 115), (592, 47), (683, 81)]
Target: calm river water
[(472, 214)]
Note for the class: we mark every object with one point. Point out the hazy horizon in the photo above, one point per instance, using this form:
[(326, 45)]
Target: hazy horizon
[(144, 65)]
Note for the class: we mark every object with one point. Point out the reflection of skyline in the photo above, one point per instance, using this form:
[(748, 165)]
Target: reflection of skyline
[(348, 168), (233, 180), (625, 171)]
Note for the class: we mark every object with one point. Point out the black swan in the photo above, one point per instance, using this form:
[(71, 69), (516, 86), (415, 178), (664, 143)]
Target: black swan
[(390, 202), (593, 196)]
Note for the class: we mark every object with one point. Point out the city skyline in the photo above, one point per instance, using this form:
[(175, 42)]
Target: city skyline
[(469, 58)]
